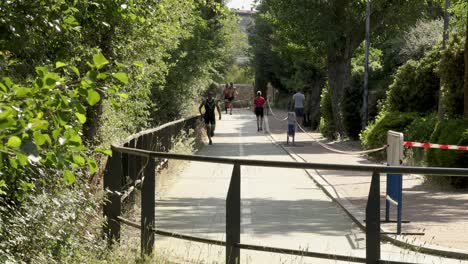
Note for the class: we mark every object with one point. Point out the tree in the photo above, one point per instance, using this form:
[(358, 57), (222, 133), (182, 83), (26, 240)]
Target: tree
[(465, 89), (336, 29)]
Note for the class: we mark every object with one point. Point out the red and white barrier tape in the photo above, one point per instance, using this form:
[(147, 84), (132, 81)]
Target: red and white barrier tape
[(434, 146)]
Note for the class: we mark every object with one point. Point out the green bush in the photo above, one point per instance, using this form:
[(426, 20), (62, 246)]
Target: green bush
[(416, 86), (451, 69), (375, 135), (351, 108), (420, 130), (327, 124), (453, 132)]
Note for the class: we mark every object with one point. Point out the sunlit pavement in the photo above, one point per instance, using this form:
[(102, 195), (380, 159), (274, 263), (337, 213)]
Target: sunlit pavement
[(280, 207)]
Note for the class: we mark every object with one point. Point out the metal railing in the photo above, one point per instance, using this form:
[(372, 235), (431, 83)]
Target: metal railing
[(134, 171), (233, 202)]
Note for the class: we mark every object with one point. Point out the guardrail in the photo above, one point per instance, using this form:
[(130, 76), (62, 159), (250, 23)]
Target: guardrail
[(233, 202), (133, 169)]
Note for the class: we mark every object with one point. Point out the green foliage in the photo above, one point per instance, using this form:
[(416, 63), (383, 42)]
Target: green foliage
[(453, 132), (327, 125), (416, 86), (352, 108), (420, 38), (375, 135), (50, 228), (451, 69), (239, 74), (420, 130), (41, 124)]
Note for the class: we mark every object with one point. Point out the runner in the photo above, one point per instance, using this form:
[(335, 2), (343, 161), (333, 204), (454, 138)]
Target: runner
[(226, 97), (259, 103), (209, 116), (231, 93)]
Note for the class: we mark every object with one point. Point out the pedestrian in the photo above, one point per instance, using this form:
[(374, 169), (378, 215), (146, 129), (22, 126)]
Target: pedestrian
[(298, 100), (227, 95), (210, 105), (259, 103), (231, 93)]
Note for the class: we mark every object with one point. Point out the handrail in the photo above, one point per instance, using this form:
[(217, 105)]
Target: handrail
[(294, 165), (153, 130), (126, 160)]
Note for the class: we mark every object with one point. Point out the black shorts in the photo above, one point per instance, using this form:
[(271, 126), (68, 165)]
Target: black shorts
[(299, 112), (230, 99), (259, 111), (209, 119)]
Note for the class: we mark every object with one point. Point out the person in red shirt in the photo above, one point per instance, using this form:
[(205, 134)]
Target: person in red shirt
[(259, 103)]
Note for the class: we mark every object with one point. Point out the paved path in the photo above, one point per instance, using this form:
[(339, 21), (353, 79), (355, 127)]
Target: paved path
[(280, 207), (436, 212)]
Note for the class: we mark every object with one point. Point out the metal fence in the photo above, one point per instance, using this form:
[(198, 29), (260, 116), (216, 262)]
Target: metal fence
[(120, 163), (134, 171)]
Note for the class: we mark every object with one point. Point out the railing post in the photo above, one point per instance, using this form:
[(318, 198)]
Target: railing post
[(233, 217), (112, 205), (373, 221), (148, 197)]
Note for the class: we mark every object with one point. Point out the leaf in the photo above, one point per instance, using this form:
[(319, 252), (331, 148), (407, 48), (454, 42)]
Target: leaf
[(22, 159), (41, 71), (3, 87), (13, 162), (56, 133), (115, 104), (7, 123), (51, 79), (121, 76), (93, 97), (78, 160), (59, 65), (75, 140), (92, 166), (69, 177), (22, 92), (75, 70), (39, 125), (105, 151), (138, 64), (39, 138), (123, 95), (14, 142), (3, 186), (101, 76), (81, 118), (7, 81), (100, 61)]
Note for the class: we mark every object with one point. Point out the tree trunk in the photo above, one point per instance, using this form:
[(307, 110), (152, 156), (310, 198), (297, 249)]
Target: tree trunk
[(465, 89), (339, 72), (441, 107)]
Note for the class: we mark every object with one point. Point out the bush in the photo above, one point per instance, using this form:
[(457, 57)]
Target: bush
[(351, 108), (375, 135), (453, 132), (419, 130), (416, 86), (451, 69), (327, 124), (60, 225)]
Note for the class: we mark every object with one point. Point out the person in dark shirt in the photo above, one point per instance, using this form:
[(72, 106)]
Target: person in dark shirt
[(210, 105)]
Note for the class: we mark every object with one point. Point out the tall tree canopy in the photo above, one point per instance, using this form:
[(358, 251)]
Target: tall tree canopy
[(334, 30)]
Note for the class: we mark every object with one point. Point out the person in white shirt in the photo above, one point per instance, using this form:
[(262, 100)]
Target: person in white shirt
[(298, 100)]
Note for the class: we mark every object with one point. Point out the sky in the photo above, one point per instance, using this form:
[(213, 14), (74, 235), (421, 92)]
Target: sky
[(240, 4)]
